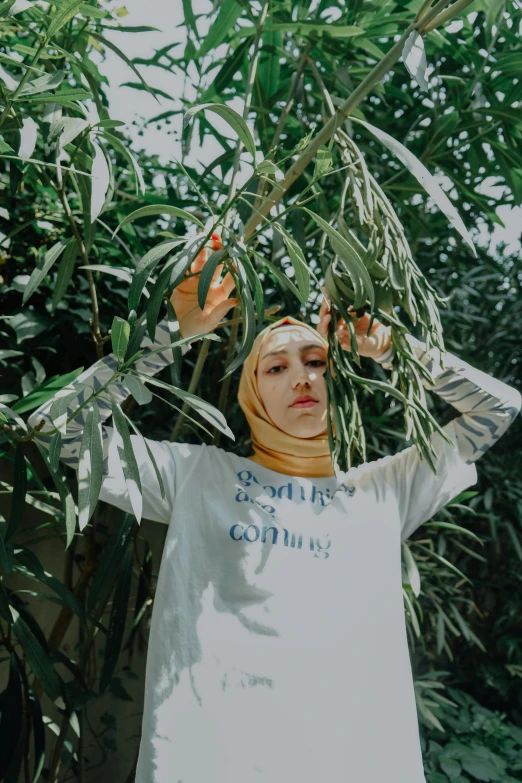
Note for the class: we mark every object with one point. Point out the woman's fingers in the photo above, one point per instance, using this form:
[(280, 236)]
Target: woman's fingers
[(215, 276), (228, 284), (200, 261)]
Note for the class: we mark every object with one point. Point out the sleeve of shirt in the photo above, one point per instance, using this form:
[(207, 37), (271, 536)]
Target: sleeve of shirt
[(114, 488), (487, 408)]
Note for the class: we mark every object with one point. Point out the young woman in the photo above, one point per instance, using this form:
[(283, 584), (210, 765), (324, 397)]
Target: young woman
[(278, 648)]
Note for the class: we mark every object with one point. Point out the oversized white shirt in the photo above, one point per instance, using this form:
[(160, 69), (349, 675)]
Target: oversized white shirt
[(278, 649)]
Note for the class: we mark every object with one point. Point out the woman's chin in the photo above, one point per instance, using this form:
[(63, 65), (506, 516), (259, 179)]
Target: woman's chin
[(304, 431)]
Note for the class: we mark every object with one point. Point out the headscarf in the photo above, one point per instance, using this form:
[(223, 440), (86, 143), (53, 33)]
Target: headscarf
[(273, 448)]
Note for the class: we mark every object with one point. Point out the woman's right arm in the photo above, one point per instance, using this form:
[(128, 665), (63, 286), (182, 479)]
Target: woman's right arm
[(157, 504), (96, 376)]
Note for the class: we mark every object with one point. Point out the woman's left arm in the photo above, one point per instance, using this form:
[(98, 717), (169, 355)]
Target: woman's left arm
[(487, 406)]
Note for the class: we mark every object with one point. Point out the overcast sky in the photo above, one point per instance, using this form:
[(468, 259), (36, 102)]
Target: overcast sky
[(128, 104)]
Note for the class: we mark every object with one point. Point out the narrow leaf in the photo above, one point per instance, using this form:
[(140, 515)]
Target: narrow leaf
[(128, 460), (99, 182), (120, 333), (65, 272), (159, 209), (352, 262), (205, 409), (90, 467), (423, 176), (37, 656), (236, 122), (145, 267), (117, 618), (28, 136), (139, 391), (414, 57), (222, 25), (40, 272), (65, 11)]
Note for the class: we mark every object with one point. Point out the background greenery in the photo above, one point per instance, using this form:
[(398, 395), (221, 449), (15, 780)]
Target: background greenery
[(65, 278)]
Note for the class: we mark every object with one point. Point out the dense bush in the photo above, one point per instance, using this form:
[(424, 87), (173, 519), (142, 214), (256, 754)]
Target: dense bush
[(379, 230)]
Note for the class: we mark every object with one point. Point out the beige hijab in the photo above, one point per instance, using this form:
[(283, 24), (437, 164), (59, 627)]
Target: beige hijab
[(273, 448)]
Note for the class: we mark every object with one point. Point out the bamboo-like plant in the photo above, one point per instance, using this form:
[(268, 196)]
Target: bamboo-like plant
[(340, 193)]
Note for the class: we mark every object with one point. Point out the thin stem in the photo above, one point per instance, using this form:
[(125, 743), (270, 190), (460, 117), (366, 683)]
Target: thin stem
[(445, 16), (21, 84), (248, 94), (196, 375), (95, 327)]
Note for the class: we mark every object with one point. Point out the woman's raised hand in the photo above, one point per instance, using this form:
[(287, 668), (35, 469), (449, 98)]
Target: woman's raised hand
[(191, 318), (372, 346)]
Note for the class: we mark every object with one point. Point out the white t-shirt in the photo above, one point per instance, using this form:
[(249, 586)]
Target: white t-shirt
[(278, 649)]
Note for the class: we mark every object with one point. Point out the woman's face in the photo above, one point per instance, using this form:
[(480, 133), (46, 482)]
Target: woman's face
[(291, 365)]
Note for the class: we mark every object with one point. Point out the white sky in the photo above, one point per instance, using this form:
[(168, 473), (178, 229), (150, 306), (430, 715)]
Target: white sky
[(128, 104)]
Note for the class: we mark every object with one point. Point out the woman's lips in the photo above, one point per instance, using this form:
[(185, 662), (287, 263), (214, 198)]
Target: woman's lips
[(307, 404)]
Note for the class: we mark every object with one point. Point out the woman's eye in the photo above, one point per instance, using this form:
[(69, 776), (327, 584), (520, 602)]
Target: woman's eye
[(276, 367), (317, 362)]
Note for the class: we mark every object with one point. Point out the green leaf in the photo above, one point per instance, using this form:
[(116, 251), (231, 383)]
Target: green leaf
[(64, 12), (120, 333), (223, 24), (122, 56), (6, 552), (323, 162), (109, 562), (227, 72), (411, 569), (40, 272), (236, 122), (65, 272), (118, 617), (58, 411), (301, 271), (90, 467), (279, 275), (37, 656), (45, 392), (63, 489), (159, 209), (139, 391), (99, 182), (33, 567), (190, 19), (145, 267), (128, 460), (205, 278), (352, 262), (307, 28), (414, 58), (19, 491), (117, 144), (423, 176), (28, 137), (49, 81), (38, 736), (249, 321), (205, 409), (55, 447)]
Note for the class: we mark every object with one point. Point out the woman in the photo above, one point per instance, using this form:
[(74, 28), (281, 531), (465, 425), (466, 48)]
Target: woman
[(278, 648)]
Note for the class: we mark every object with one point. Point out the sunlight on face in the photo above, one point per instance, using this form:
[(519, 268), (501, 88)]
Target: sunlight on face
[(292, 364)]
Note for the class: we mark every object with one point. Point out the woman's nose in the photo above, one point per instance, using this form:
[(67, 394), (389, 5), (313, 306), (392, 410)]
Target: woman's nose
[(301, 376)]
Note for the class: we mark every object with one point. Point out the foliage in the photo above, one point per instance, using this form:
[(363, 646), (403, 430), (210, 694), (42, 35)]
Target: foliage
[(343, 150), (480, 744)]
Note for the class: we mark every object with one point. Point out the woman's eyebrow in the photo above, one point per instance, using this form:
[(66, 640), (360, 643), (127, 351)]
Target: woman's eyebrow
[(301, 350)]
